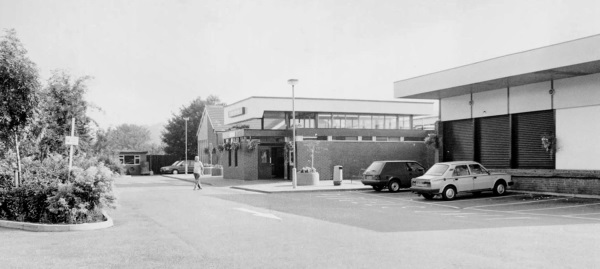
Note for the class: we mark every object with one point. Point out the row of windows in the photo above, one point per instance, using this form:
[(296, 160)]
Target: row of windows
[(365, 138), (129, 159), (352, 121)]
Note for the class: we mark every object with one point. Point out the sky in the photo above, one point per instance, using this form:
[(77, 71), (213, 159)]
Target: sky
[(149, 58)]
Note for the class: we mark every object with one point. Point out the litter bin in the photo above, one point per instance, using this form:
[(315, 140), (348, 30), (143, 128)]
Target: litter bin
[(338, 175)]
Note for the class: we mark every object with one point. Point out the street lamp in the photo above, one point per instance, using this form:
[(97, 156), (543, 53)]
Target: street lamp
[(186, 162), (293, 82)]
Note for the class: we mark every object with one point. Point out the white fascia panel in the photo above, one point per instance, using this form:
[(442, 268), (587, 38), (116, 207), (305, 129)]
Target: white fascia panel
[(530, 97), (456, 108), (490, 103), (577, 91)]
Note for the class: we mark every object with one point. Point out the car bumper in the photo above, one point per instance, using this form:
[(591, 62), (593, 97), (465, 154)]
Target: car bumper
[(424, 190), (374, 183)]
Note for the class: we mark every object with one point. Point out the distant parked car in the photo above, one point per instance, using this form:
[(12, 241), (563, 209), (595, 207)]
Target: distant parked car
[(178, 167), (392, 175), (450, 178)]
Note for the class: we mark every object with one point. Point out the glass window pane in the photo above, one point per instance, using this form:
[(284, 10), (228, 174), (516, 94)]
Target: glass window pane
[(390, 122), (353, 138), (352, 121), (381, 138), (129, 160), (324, 120), (339, 121), (378, 122), (367, 138), (364, 122)]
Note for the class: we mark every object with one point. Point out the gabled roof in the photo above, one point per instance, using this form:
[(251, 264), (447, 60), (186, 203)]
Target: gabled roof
[(216, 115)]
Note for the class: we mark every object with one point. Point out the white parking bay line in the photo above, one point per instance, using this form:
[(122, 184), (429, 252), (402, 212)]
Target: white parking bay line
[(584, 214), (517, 203), (512, 218), (410, 201), (551, 208), (458, 214)]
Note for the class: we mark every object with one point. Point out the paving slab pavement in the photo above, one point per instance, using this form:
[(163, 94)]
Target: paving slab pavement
[(273, 186)]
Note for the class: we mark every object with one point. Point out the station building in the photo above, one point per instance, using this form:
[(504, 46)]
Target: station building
[(530, 113), (257, 135)]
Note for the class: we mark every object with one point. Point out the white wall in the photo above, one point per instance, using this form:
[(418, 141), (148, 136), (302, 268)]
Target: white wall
[(577, 135), (577, 91), (530, 97), (490, 103), (456, 108)]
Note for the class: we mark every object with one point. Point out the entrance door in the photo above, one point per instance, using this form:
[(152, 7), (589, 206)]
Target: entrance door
[(278, 162), (265, 165)]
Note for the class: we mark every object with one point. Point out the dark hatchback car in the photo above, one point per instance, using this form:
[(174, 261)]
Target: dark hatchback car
[(393, 175)]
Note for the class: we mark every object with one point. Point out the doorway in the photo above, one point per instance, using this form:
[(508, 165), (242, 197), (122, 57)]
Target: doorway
[(270, 162)]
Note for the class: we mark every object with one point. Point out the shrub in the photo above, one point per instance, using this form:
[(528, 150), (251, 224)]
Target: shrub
[(50, 194)]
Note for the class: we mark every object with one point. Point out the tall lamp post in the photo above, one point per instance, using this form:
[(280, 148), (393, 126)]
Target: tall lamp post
[(186, 162), (293, 82)]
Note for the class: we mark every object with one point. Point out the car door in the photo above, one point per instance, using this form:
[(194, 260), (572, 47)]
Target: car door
[(481, 179), (462, 178)]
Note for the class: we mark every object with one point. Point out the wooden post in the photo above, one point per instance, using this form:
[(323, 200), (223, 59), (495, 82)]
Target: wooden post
[(71, 147)]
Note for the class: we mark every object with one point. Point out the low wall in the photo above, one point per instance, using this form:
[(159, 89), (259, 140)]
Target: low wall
[(556, 181)]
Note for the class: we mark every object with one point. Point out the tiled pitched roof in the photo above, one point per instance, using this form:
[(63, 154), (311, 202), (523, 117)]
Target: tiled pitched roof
[(217, 117)]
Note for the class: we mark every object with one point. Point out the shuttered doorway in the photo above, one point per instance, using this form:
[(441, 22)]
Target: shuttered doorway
[(528, 129), (492, 141), (458, 140)]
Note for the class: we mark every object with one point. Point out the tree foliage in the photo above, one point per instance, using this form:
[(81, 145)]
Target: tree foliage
[(174, 134), (62, 100)]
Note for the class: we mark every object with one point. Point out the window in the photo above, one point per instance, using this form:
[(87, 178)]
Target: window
[(352, 138), (381, 138), (236, 157), (460, 170), (391, 122), (129, 159), (414, 167), (229, 157), (352, 121), (367, 138), (378, 122), (324, 121), (339, 121), (404, 122), (339, 138), (322, 137), (364, 122), (394, 139), (476, 169)]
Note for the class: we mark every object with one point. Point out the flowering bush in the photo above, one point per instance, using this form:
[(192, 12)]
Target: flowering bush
[(50, 194), (253, 144), (432, 141), (307, 169)]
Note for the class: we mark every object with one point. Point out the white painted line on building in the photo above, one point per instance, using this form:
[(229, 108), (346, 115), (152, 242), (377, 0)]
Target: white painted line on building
[(512, 218), (259, 214), (518, 203), (551, 208)]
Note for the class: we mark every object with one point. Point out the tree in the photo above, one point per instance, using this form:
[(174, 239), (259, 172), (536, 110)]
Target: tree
[(128, 137), (18, 88), (62, 100), (174, 134)]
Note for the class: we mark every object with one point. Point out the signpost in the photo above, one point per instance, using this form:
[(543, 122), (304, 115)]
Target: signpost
[(71, 141)]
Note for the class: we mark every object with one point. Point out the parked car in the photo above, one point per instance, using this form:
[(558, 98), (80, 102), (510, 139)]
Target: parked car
[(392, 175), (450, 178), (178, 167)]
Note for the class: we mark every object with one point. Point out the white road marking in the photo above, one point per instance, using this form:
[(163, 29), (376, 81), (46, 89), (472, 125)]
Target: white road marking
[(518, 203), (584, 214), (537, 209), (458, 214), (259, 214), (512, 218)]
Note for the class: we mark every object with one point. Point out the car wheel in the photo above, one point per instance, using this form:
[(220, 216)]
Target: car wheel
[(377, 188), (500, 188), (427, 196), (394, 186), (175, 172), (449, 193)]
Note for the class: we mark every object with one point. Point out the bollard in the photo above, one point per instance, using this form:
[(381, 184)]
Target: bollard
[(338, 175)]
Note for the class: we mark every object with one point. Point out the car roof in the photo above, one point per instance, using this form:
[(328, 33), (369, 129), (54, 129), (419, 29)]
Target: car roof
[(398, 161), (459, 162)]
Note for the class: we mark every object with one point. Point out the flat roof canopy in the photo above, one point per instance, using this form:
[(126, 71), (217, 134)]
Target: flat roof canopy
[(569, 59)]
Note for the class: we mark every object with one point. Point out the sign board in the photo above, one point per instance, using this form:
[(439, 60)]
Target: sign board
[(72, 140)]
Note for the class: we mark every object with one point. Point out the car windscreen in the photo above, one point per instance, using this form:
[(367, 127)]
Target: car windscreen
[(375, 167), (175, 163), (437, 170)]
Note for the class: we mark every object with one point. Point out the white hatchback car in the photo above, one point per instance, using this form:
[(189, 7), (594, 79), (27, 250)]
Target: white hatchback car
[(450, 178)]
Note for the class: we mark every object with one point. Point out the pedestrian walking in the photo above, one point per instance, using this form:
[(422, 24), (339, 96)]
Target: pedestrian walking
[(198, 171)]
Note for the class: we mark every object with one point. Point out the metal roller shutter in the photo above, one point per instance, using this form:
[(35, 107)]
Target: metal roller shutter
[(458, 140), (493, 141), (528, 129)]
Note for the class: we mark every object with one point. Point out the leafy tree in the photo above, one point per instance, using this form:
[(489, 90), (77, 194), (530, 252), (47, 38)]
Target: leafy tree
[(128, 137), (174, 134), (18, 88), (62, 100)]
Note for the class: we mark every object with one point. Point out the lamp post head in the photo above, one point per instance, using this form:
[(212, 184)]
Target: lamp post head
[(186, 118), (292, 81)]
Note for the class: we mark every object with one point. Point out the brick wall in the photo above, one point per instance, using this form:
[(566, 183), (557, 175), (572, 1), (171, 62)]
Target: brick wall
[(247, 168), (354, 156), (589, 186)]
